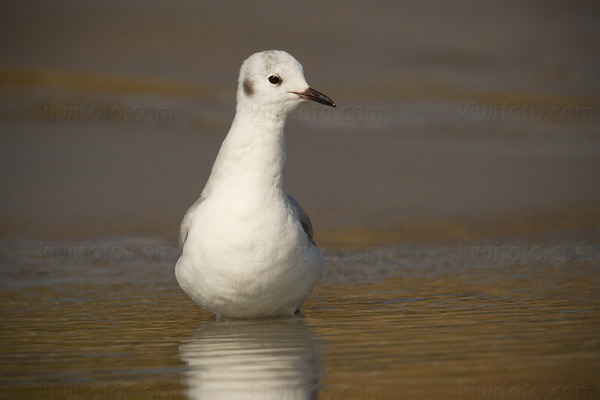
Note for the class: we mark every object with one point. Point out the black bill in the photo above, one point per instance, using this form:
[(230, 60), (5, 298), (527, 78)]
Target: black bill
[(312, 94)]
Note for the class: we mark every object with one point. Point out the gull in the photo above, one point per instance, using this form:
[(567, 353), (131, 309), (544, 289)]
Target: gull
[(247, 246)]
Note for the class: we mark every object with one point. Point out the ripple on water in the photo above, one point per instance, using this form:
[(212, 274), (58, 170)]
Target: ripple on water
[(424, 321)]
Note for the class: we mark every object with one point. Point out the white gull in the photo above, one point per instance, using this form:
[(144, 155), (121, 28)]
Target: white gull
[(247, 246)]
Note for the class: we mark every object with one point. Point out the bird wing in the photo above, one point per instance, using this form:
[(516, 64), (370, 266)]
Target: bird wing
[(187, 221), (302, 216)]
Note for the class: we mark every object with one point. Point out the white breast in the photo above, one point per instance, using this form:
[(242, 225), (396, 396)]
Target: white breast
[(247, 258)]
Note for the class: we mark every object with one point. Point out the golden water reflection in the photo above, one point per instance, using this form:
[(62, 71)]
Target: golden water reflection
[(416, 323)]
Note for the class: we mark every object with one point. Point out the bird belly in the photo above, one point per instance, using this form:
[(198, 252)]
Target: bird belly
[(248, 264)]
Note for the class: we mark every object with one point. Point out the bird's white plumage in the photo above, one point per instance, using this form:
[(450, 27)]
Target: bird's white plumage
[(247, 248)]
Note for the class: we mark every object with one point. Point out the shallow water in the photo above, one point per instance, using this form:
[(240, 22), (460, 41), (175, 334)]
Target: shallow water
[(514, 318)]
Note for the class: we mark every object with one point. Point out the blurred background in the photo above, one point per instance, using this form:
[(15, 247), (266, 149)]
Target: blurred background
[(454, 118)]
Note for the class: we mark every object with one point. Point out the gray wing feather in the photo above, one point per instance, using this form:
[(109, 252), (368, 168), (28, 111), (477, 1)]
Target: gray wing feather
[(303, 218), (187, 222)]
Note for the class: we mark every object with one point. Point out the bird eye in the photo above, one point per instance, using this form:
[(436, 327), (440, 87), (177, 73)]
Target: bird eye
[(274, 79)]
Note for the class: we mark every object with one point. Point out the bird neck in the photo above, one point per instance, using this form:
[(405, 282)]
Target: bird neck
[(252, 156)]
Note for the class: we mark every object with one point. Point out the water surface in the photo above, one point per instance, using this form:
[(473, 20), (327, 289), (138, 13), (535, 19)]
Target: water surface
[(106, 319)]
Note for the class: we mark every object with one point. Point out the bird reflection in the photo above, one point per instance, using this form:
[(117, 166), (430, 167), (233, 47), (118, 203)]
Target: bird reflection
[(252, 359)]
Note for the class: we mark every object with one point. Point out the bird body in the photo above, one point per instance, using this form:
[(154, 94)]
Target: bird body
[(247, 248)]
